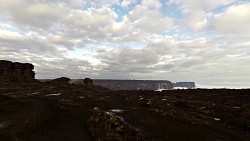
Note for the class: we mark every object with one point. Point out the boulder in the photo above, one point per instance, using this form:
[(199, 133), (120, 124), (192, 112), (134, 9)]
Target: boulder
[(88, 81), (62, 81)]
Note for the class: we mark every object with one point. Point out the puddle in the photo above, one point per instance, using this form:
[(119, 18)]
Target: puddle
[(54, 94), (129, 125), (216, 119), (34, 93), (81, 97), (4, 124), (149, 103), (117, 110)]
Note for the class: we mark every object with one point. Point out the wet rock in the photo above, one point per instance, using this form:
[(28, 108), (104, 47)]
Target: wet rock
[(105, 126)]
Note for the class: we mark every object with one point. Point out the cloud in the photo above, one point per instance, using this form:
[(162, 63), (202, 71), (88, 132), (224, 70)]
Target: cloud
[(32, 14), (126, 3), (196, 12), (151, 4), (148, 20), (98, 3), (194, 5), (206, 42), (233, 23)]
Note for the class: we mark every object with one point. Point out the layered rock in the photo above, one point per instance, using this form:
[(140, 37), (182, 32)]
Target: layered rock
[(189, 85), (16, 72), (134, 84)]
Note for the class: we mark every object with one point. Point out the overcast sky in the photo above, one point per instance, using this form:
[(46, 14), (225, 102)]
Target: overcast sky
[(206, 41)]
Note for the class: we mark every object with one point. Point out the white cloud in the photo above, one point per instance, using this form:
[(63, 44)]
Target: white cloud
[(233, 23), (92, 17), (196, 12), (77, 39), (126, 3), (150, 20), (196, 21), (33, 14), (151, 4), (101, 3), (188, 6)]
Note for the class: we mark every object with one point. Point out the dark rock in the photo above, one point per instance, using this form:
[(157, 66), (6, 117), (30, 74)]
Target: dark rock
[(16, 72), (60, 81), (105, 126), (88, 81), (185, 84), (28, 66), (18, 65), (134, 84), (5, 63)]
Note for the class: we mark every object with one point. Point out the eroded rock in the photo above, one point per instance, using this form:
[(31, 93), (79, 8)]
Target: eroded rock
[(106, 126), (16, 72)]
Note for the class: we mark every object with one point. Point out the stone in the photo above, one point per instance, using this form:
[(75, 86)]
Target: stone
[(28, 66), (16, 71), (5, 63), (88, 81), (62, 81)]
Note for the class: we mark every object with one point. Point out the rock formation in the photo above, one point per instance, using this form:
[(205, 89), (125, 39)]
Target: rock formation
[(134, 84), (60, 81), (16, 72), (88, 81), (189, 85)]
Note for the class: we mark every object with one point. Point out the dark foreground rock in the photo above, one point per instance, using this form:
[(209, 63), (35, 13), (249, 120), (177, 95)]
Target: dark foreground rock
[(50, 112), (106, 126)]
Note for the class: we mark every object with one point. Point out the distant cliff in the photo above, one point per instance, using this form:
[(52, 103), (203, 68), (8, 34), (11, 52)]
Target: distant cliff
[(134, 84), (138, 84), (16, 72), (184, 84)]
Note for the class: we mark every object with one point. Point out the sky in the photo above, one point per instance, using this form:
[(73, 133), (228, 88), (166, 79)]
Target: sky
[(205, 41)]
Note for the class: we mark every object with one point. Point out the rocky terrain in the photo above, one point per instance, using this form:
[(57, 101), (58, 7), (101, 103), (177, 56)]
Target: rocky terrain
[(56, 110)]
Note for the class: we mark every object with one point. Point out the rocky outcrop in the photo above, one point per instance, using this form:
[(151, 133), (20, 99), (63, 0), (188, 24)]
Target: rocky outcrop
[(16, 72), (134, 84), (189, 85), (60, 81), (88, 81)]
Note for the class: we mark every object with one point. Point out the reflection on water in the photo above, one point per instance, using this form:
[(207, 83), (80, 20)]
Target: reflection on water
[(4, 124)]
